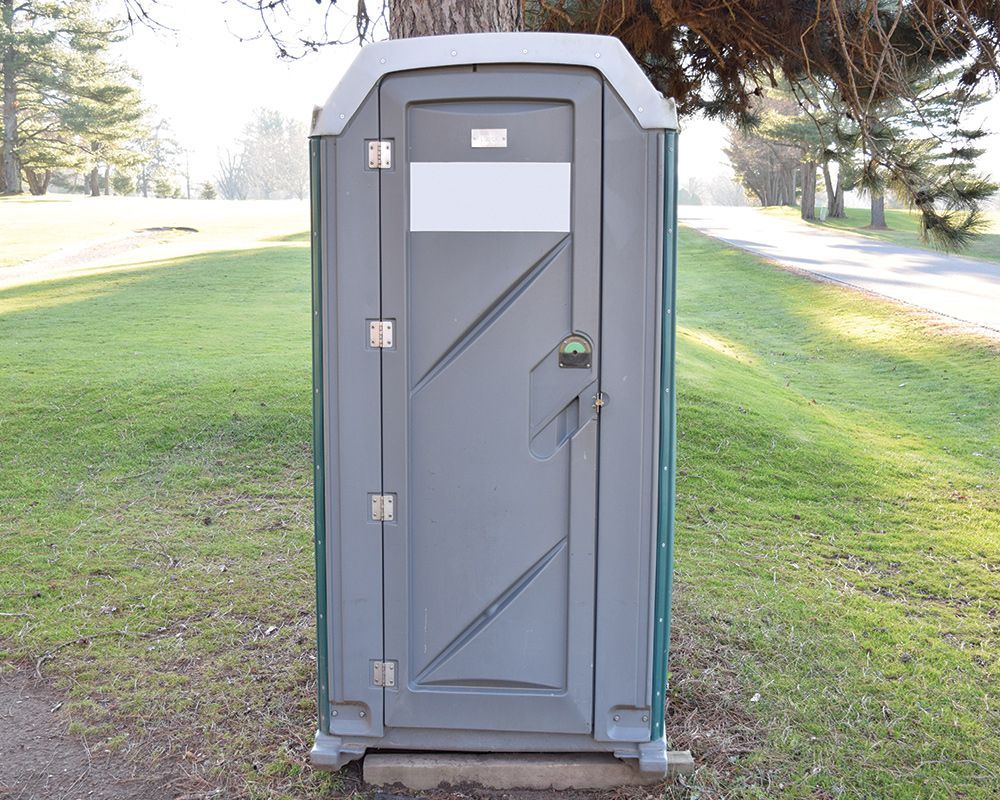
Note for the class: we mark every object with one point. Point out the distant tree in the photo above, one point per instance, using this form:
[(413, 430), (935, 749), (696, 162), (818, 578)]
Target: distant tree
[(263, 149), (122, 183), (160, 154), (107, 122), (723, 191), (690, 193), (207, 191), (783, 122), (685, 198), (164, 188), (273, 155), (232, 178), (840, 143), (66, 103), (767, 169), (919, 148), (296, 171)]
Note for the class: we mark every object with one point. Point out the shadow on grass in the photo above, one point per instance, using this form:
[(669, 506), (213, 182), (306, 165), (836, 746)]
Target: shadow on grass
[(243, 265), (861, 356), (904, 230), (301, 236)]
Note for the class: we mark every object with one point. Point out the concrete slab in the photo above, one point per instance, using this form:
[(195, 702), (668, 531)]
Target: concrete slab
[(422, 771)]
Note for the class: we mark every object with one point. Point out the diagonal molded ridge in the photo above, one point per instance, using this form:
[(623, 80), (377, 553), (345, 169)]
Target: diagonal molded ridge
[(495, 310), (493, 610)]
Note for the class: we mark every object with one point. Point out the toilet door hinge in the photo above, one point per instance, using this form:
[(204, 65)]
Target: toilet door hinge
[(384, 674), (379, 155), (383, 507), (380, 333)]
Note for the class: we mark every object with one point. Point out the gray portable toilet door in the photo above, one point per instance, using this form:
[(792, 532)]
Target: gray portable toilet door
[(490, 267)]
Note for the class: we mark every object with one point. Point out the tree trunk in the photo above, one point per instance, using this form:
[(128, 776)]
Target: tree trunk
[(836, 209), (789, 199), (828, 182), (38, 184), (878, 212), (10, 164), (430, 17), (808, 189), (834, 194), (773, 192), (107, 180), (94, 183)]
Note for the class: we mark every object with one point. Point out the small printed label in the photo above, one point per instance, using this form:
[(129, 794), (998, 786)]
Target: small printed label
[(489, 137)]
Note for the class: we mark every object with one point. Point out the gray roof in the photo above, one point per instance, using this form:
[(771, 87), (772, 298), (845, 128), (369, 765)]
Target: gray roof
[(603, 53)]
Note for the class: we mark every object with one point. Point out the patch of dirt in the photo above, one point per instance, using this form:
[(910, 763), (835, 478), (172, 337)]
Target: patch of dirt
[(707, 708), (39, 760), (864, 566), (66, 261)]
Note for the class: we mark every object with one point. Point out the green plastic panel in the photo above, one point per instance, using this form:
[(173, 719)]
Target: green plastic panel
[(319, 491), (668, 442)]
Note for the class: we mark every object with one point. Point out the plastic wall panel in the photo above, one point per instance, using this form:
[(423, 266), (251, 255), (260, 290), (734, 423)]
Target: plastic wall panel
[(632, 232), (353, 427)]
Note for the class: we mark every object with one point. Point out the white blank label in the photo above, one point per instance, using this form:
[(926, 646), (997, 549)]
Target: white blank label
[(489, 137), (490, 196)]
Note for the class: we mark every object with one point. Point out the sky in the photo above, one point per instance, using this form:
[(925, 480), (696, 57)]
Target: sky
[(206, 82), (207, 75)]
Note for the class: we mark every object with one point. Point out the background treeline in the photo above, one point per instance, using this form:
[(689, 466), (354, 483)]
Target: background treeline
[(270, 160), (802, 140), (74, 119)]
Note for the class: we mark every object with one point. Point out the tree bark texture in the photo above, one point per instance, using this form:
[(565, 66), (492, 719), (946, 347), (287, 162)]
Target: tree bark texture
[(878, 212), (834, 194), (94, 183), (10, 165), (788, 194), (38, 183), (836, 209), (430, 17), (777, 188), (808, 210)]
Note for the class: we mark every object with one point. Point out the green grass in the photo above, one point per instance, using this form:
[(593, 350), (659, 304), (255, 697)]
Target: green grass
[(904, 230), (837, 549), (839, 537)]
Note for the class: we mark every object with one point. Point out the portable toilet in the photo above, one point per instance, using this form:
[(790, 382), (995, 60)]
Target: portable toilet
[(493, 240)]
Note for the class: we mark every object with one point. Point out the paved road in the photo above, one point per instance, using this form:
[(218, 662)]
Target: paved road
[(965, 289)]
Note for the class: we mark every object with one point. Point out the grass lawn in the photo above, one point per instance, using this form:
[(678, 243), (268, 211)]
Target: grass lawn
[(838, 562), (904, 229)]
